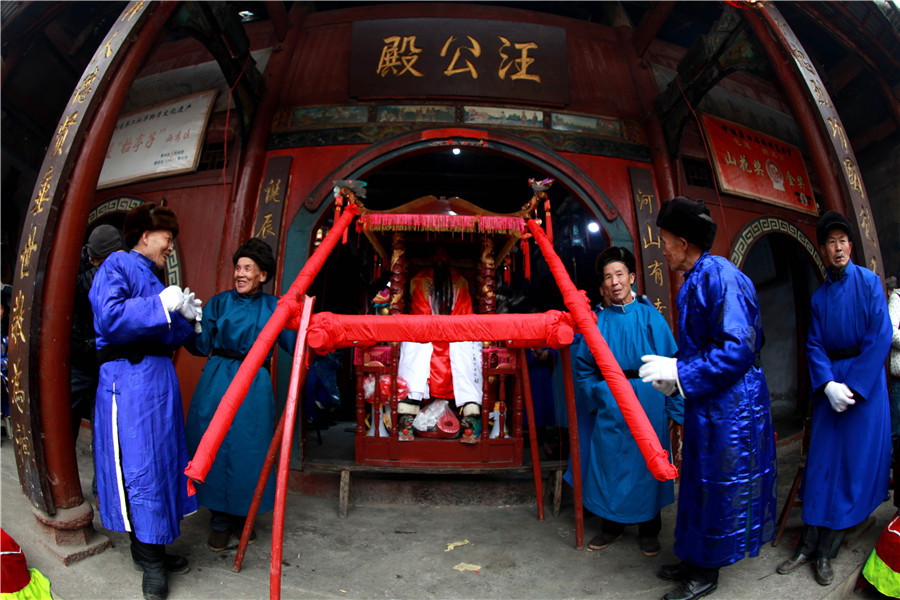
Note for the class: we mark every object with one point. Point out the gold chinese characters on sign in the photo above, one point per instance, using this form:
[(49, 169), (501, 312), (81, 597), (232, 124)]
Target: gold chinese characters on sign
[(459, 57), (43, 196), (754, 165), (649, 250), (272, 191), (17, 318)]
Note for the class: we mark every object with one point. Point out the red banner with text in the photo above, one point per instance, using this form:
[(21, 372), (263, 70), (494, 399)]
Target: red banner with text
[(751, 164)]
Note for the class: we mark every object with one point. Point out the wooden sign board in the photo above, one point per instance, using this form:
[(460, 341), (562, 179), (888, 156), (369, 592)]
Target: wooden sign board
[(159, 141), (754, 165), (459, 57)]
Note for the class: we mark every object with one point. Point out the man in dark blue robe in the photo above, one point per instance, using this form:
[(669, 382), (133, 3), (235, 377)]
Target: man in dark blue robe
[(848, 465), (726, 502), (139, 438)]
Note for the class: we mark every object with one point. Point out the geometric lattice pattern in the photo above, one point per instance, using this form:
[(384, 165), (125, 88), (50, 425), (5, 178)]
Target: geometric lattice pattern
[(764, 225)]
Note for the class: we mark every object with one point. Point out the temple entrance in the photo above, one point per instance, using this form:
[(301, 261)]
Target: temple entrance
[(353, 275), (785, 275)]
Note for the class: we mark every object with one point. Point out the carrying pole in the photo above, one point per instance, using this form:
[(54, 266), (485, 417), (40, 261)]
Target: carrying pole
[(290, 410), (287, 308), (532, 434)]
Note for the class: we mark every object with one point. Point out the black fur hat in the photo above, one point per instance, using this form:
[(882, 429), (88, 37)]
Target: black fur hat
[(615, 254), (688, 219), (829, 221), (148, 217), (259, 252)]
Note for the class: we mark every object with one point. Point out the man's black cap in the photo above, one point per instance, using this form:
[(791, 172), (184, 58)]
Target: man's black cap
[(829, 221)]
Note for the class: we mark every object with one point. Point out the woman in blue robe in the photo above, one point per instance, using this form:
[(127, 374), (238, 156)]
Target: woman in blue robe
[(232, 321), (727, 495), (617, 484)]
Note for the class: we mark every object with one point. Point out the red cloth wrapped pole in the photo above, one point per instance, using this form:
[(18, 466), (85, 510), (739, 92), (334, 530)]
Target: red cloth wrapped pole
[(290, 411), (287, 309), (329, 331), (657, 458)]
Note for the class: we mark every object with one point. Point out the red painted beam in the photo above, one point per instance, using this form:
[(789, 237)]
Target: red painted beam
[(647, 93), (803, 113), (650, 25)]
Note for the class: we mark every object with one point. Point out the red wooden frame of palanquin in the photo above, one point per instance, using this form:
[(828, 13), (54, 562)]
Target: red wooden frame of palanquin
[(434, 219)]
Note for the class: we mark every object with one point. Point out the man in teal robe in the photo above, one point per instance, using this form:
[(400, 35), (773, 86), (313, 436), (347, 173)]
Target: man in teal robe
[(617, 484), (848, 464), (232, 321)]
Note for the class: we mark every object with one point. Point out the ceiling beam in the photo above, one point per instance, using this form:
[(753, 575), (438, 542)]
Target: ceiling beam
[(874, 70), (872, 135), (842, 38), (844, 72), (650, 24), (62, 43), (278, 16)]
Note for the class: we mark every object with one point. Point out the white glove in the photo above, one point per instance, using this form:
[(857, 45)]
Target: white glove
[(172, 298), (191, 305), (197, 327), (669, 388), (658, 368), (839, 395)]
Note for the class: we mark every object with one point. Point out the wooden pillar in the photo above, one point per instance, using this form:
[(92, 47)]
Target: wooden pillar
[(801, 111), (398, 274), (647, 93), (486, 279), (47, 269), (243, 203)]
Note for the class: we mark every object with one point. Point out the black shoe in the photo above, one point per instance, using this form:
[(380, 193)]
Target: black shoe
[(792, 564), (679, 572), (603, 540), (691, 590), (154, 584), (218, 540), (824, 572), (174, 564), (649, 545)]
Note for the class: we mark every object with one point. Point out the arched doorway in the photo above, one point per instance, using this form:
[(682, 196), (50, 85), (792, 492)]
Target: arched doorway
[(490, 170), (785, 269), (491, 158)]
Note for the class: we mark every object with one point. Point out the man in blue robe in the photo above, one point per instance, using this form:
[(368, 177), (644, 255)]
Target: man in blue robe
[(232, 320), (138, 417), (848, 464), (617, 485), (726, 505)]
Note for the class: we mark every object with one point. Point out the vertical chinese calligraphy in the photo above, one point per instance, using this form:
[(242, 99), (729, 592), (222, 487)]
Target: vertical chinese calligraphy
[(650, 257), (271, 196)]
